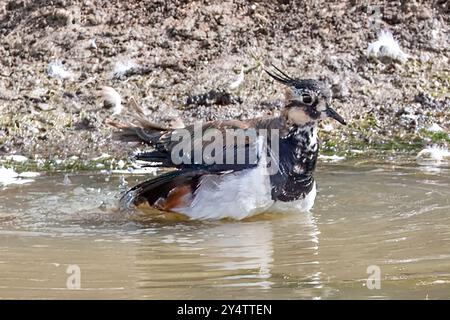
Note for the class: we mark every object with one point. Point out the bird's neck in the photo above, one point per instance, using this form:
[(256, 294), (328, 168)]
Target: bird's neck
[(305, 143), (298, 157)]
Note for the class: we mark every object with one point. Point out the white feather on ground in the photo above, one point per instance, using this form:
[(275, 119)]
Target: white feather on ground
[(92, 44), (239, 80), (433, 154), (435, 128), (112, 97), (387, 46), (122, 67), (17, 158), (56, 70)]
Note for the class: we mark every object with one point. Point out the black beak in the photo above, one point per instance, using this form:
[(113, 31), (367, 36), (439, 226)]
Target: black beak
[(333, 114)]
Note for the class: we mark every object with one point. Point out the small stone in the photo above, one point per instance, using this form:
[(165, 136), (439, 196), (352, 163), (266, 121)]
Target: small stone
[(94, 20), (424, 14), (44, 107)]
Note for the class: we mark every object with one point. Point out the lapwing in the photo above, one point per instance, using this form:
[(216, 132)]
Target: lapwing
[(275, 173)]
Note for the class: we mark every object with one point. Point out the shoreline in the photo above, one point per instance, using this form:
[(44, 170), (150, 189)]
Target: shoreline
[(185, 61)]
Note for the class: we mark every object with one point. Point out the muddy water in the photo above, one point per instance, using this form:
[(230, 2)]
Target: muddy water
[(396, 219)]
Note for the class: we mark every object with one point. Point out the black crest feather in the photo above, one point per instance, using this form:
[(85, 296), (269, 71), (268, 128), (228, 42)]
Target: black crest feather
[(280, 76)]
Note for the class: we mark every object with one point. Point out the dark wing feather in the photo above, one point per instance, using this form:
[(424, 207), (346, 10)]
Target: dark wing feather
[(161, 139), (247, 146), (166, 145), (162, 191)]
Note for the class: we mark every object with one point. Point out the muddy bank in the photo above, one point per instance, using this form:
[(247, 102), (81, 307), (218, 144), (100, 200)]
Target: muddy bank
[(181, 61)]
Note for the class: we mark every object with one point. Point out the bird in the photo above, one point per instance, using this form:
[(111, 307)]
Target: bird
[(277, 159)]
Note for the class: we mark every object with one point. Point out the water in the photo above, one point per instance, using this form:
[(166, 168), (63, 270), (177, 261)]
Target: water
[(396, 219)]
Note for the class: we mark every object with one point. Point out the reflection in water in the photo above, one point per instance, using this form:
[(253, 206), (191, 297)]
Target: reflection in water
[(389, 216), (227, 254), (232, 255)]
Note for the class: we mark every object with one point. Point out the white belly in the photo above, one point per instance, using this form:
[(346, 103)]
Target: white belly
[(235, 195), (241, 195)]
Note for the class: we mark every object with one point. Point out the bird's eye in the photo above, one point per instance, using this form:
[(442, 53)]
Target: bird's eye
[(306, 98)]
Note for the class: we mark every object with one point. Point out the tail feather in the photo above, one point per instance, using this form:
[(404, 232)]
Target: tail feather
[(166, 191), (139, 116), (141, 130), (132, 133)]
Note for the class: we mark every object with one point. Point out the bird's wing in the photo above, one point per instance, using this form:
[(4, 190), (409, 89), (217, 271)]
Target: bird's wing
[(215, 146), (210, 145)]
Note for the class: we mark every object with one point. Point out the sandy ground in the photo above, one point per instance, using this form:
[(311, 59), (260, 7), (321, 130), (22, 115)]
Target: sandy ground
[(180, 60)]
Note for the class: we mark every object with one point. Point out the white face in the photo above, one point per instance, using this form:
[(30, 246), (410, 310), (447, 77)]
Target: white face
[(298, 116)]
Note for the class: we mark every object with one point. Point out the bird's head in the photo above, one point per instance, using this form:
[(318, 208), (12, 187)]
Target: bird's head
[(307, 100)]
